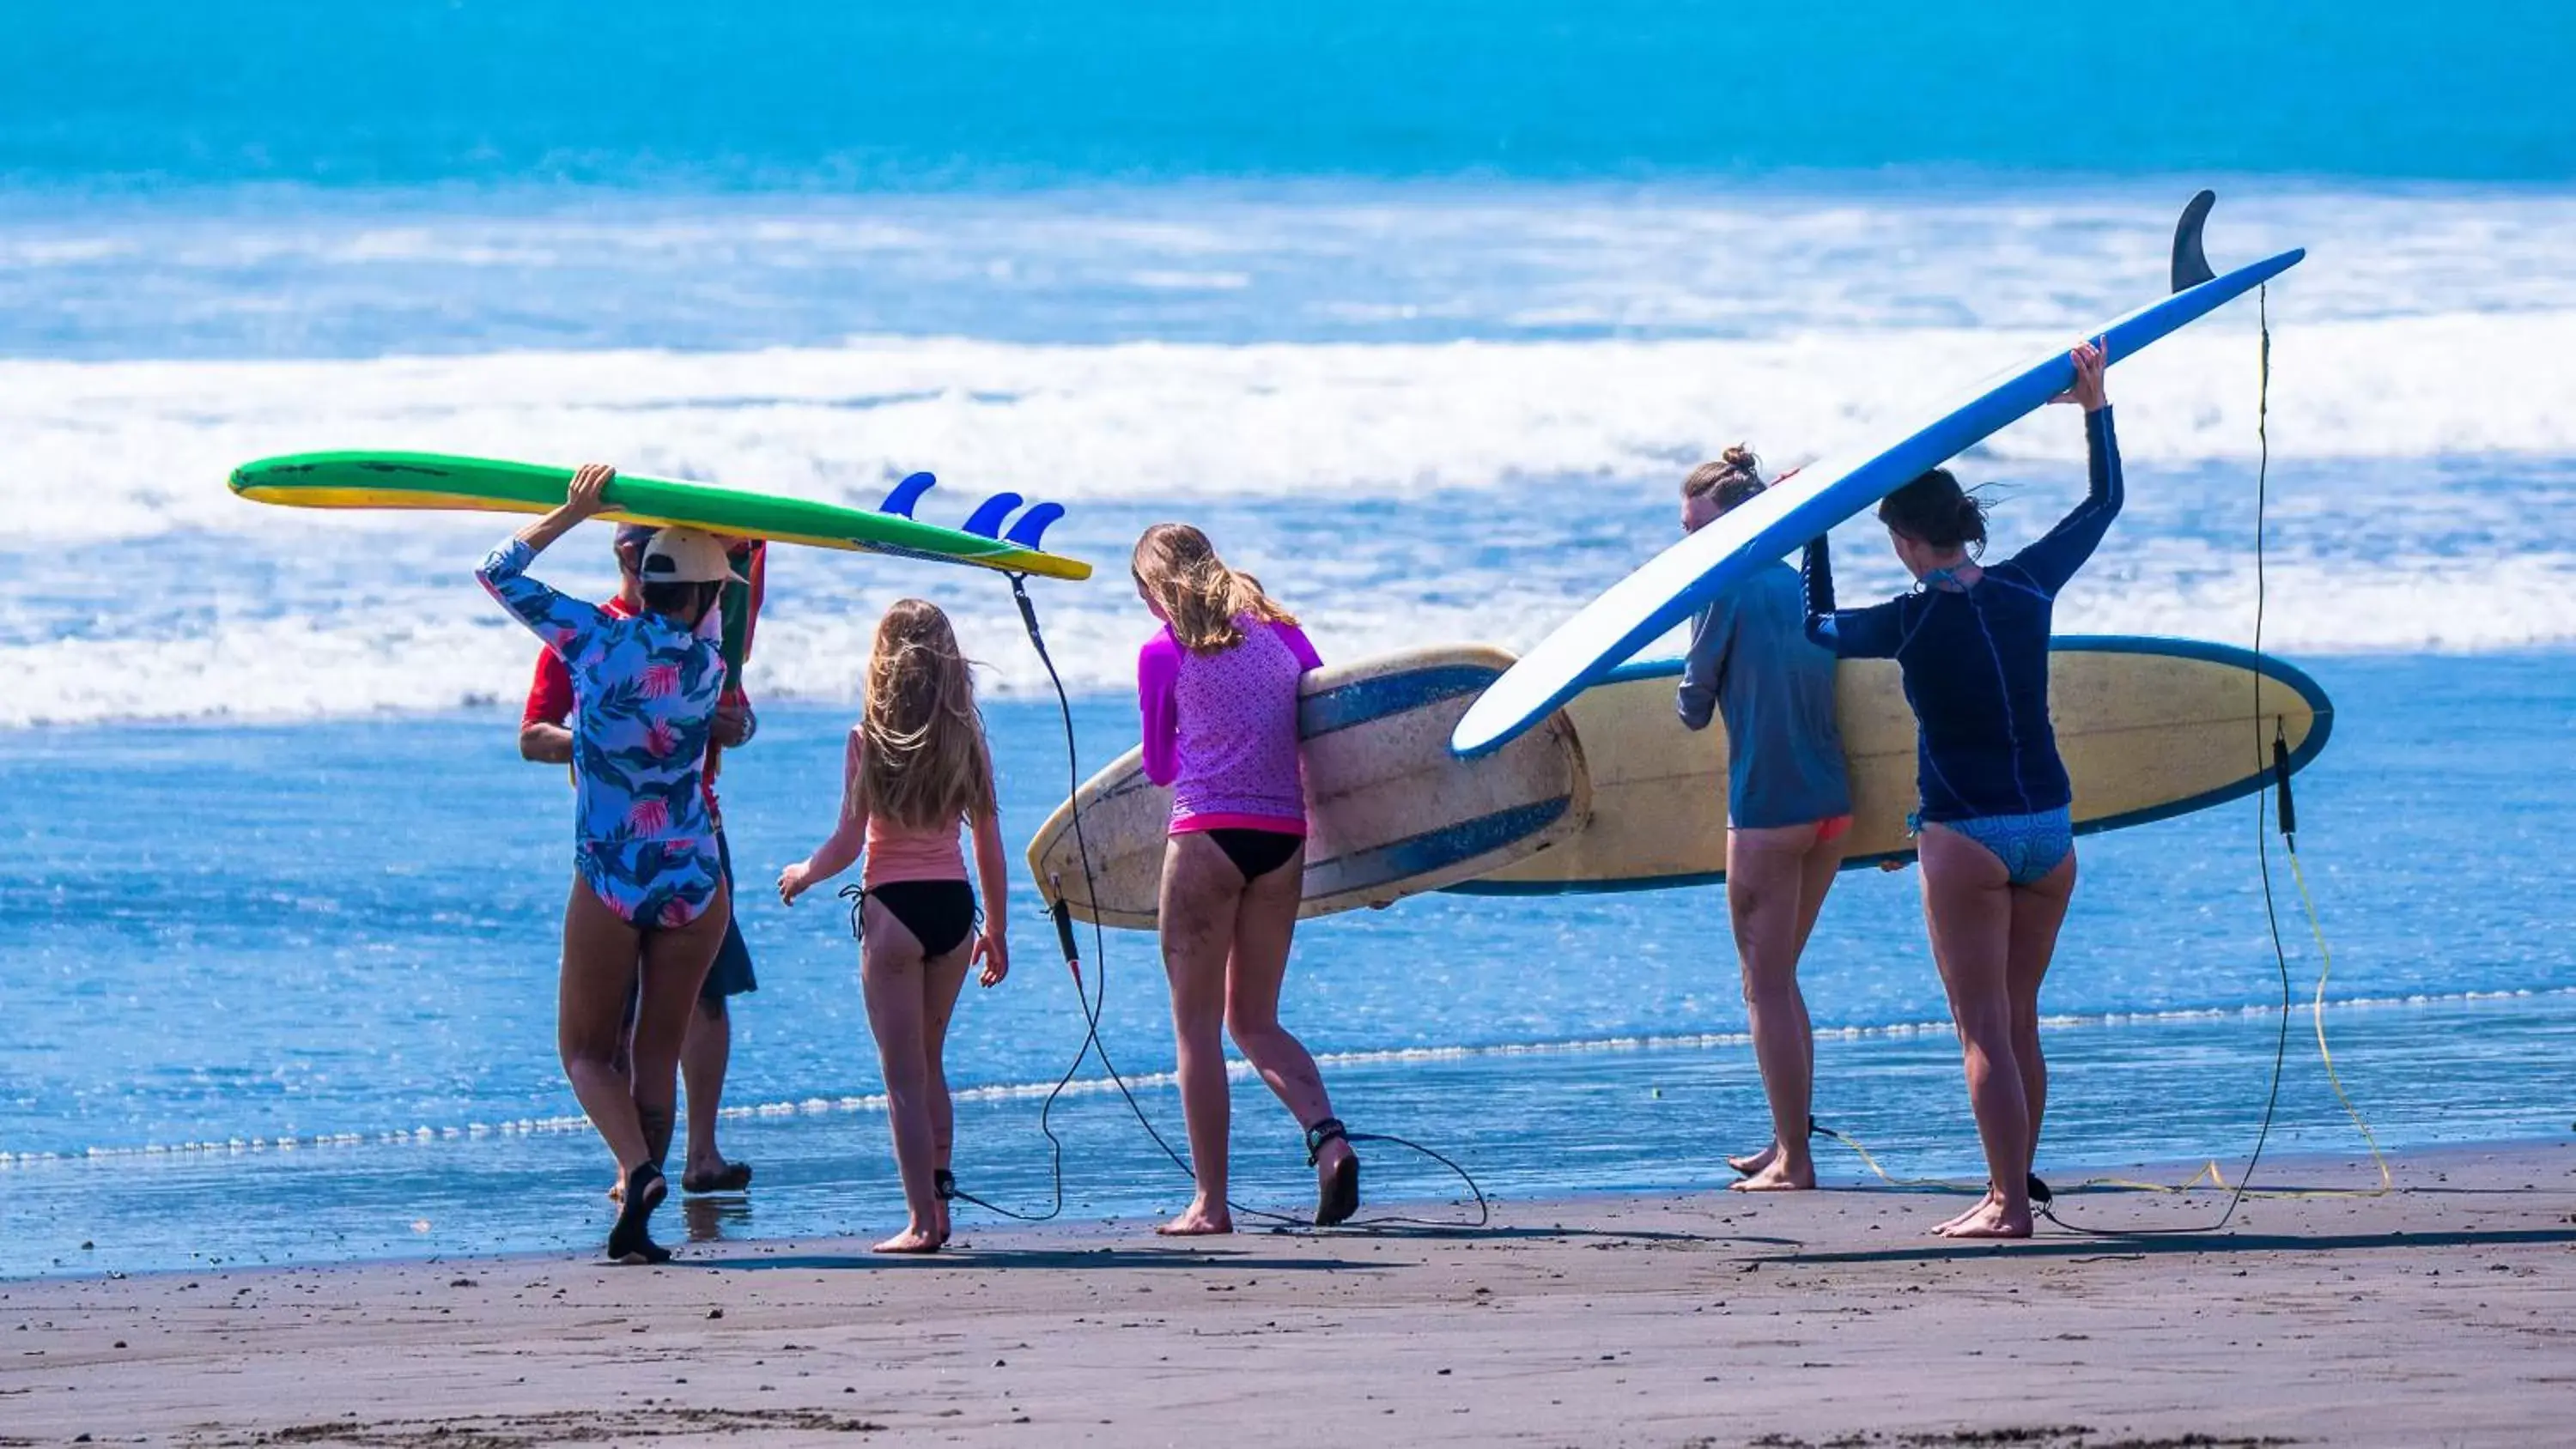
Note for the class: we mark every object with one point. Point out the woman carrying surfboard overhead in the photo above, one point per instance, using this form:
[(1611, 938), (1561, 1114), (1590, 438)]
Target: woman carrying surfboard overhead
[(1788, 804), (649, 902), (1217, 687), (1996, 836)]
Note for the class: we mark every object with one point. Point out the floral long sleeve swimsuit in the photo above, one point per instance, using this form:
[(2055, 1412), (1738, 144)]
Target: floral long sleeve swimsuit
[(646, 694)]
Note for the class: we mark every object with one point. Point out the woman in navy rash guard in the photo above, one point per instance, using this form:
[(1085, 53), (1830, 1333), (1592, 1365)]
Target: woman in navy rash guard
[(1996, 838)]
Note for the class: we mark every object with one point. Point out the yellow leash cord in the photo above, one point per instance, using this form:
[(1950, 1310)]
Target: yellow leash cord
[(2211, 1174)]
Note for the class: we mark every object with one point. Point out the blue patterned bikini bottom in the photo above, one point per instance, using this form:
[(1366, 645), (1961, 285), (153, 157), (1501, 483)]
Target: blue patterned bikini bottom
[(2030, 846)]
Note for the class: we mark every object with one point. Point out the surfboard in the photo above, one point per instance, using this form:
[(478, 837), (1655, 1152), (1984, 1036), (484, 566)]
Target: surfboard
[(436, 481), (1641, 607), (2149, 729), (1390, 811)]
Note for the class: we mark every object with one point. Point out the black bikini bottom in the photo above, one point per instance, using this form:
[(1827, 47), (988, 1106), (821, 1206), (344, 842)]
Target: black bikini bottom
[(940, 914), (1257, 852)]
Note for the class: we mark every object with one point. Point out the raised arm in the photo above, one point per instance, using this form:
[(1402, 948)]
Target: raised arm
[(558, 619), (1158, 674), (735, 717), (1871, 633), (2054, 559), (842, 849)]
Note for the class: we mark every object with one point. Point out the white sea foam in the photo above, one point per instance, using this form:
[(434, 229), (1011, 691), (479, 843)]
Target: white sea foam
[(440, 647), (1397, 492), (119, 450), (1420, 412)]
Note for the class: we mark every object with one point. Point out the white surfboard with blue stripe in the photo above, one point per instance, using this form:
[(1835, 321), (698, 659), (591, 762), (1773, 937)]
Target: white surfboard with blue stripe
[(1669, 588)]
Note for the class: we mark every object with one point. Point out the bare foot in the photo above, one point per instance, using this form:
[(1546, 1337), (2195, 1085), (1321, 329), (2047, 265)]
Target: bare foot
[(912, 1239), (1992, 1220), (1779, 1175), (1200, 1219), (1947, 1226), (1753, 1164), (942, 1223), (714, 1174)]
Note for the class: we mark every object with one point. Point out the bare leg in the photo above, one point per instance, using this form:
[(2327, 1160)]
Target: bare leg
[(704, 1059), (1816, 870), (626, 1049), (1201, 895), (599, 968), (704, 1056), (663, 984), (1255, 972), (945, 977), (1764, 886), (1967, 905), (675, 966), (2038, 909), (896, 980)]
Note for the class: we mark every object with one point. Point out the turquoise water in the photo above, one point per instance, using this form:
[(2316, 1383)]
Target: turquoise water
[(1027, 92), (328, 998), (1421, 311)]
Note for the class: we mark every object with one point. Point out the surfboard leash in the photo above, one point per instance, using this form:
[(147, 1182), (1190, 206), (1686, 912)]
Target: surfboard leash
[(2264, 818), (1094, 1001), (2211, 1173), (1063, 922)]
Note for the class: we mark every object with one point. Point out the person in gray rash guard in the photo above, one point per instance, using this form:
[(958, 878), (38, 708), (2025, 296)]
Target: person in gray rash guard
[(1788, 804)]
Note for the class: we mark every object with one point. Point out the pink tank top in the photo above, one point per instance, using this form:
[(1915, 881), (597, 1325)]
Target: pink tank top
[(895, 854), (1221, 729)]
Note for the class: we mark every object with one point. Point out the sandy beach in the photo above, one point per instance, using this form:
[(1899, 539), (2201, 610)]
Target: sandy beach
[(2444, 1313)]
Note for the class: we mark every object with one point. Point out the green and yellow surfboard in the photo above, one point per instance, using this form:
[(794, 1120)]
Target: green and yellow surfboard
[(483, 485)]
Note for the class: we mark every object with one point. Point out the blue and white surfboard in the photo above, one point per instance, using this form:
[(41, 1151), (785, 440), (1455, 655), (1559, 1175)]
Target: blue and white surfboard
[(1669, 588)]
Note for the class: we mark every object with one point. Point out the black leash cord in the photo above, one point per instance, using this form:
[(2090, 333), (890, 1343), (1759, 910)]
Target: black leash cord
[(2262, 810), (1095, 1001)]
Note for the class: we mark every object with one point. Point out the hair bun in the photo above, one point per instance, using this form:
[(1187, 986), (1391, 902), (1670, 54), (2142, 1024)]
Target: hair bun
[(1741, 458)]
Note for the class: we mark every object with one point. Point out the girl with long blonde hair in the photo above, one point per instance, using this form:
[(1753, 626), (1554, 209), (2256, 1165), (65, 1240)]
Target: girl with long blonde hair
[(917, 768), (1217, 687)]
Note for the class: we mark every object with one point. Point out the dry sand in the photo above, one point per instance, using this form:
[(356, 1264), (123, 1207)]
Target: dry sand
[(2442, 1315)]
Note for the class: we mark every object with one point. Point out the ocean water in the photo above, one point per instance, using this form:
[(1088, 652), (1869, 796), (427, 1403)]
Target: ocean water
[(304, 976), (1421, 313)]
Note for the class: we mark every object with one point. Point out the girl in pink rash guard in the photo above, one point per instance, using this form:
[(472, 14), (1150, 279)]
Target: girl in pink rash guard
[(1217, 687)]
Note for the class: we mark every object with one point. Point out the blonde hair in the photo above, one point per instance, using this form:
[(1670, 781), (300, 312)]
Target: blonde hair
[(925, 763), (1178, 569), (1733, 478)]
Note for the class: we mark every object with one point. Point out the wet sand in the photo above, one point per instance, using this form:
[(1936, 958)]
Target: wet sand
[(2444, 1313)]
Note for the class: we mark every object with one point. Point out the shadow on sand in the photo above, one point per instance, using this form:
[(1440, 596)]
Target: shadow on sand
[(2100, 1242)]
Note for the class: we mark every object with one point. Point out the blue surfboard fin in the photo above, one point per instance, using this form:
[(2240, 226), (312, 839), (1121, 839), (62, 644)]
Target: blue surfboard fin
[(988, 515), (2190, 263), (1033, 525), (907, 493)]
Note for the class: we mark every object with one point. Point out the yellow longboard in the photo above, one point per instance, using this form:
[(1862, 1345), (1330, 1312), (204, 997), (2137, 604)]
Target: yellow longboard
[(2149, 729)]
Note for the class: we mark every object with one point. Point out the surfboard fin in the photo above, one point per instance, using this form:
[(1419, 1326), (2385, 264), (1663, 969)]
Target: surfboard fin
[(2190, 263), (906, 494), (1033, 525), (987, 518)]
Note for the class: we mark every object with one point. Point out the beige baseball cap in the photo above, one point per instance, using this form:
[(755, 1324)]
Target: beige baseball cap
[(685, 556)]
